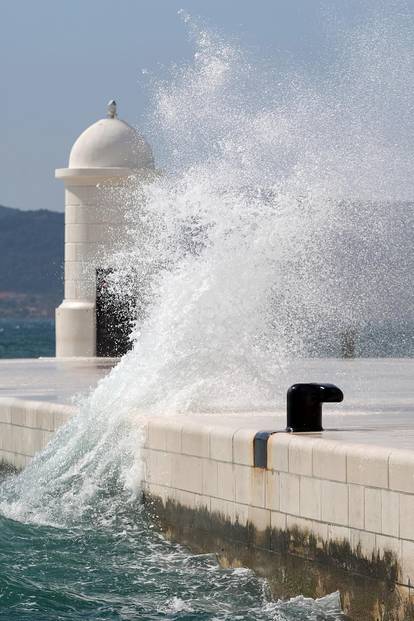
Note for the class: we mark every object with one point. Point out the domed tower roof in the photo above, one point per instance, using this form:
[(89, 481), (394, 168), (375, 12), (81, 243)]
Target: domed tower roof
[(111, 143)]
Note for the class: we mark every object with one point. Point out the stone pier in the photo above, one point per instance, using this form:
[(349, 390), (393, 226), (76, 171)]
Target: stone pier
[(331, 510)]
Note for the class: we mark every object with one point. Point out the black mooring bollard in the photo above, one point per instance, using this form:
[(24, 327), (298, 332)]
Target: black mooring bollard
[(304, 405)]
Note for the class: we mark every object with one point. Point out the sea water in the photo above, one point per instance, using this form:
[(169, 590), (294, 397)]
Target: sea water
[(113, 565), (285, 214), (27, 338), (127, 571)]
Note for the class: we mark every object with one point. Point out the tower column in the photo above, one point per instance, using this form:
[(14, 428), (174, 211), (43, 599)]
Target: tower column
[(89, 226), (104, 156)]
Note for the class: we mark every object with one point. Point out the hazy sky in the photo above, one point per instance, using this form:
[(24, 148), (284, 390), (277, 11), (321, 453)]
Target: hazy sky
[(61, 61)]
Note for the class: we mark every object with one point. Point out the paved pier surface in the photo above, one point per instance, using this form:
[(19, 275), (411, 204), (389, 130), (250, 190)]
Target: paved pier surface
[(378, 407), (49, 379)]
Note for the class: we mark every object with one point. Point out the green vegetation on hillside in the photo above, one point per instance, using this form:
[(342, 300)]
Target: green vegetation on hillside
[(31, 261)]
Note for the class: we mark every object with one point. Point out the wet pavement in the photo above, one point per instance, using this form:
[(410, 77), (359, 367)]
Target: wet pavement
[(50, 379), (378, 407)]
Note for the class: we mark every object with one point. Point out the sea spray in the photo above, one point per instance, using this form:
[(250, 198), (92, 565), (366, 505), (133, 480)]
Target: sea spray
[(280, 224), (280, 221)]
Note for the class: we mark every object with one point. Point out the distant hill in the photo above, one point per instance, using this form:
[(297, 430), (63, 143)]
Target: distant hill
[(31, 260)]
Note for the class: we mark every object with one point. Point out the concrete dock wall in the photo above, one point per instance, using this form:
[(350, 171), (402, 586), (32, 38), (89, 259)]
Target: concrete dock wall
[(345, 506), (340, 515), (361, 494), (26, 427)]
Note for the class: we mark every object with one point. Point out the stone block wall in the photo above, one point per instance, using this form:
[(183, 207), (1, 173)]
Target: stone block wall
[(329, 514), (354, 503), (26, 427)]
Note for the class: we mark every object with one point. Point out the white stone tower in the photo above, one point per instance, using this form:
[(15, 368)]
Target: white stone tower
[(102, 158)]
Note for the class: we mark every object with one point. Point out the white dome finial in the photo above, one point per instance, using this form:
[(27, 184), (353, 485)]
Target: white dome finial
[(111, 143), (112, 109)]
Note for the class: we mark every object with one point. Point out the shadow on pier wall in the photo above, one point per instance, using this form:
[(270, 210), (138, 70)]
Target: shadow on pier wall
[(293, 561)]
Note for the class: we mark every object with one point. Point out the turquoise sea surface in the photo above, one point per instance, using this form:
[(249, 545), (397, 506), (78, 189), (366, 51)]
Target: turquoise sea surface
[(120, 568), (27, 338)]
